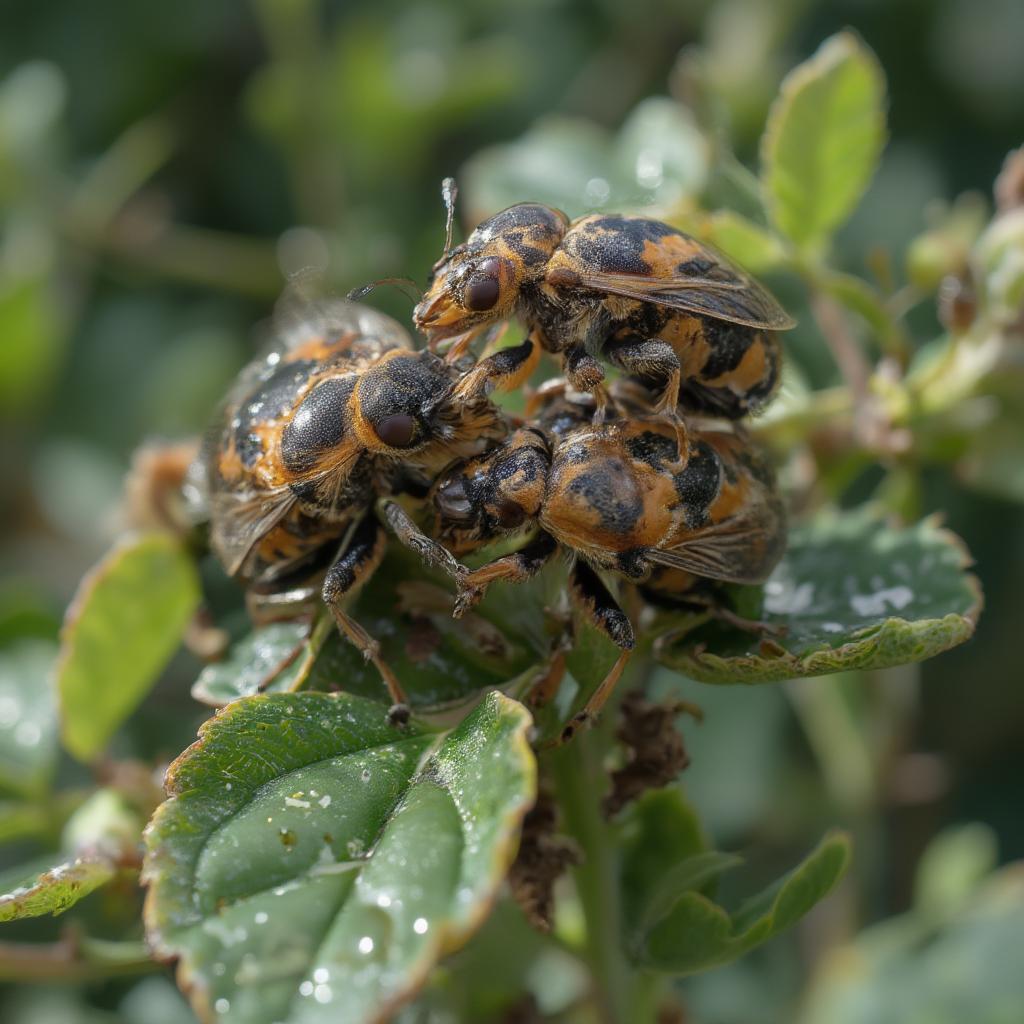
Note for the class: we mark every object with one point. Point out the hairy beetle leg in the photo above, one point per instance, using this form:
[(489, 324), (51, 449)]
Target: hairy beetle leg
[(505, 370), (353, 568), (517, 567), (593, 598), (432, 553)]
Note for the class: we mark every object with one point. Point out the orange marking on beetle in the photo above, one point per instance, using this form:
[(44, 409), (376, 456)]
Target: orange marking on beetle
[(665, 255)]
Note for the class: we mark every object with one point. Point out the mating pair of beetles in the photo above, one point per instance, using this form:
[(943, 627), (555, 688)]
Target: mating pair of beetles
[(342, 417)]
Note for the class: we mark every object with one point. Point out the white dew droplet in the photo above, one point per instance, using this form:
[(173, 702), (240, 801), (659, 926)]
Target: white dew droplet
[(320, 975), (306, 988), (227, 786), (261, 917), (384, 900), (420, 925), (366, 944), (222, 1005), (324, 801), (322, 993)]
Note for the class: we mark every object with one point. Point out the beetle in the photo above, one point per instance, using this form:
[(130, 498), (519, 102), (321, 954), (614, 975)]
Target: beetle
[(618, 498), (316, 439), (646, 297)]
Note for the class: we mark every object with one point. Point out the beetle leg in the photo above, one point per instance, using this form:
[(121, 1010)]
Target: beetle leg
[(505, 370), (596, 602), (652, 357), (539, 396), (516, 567), (455, 347), (432, 553), (583, 371), (353, 567)]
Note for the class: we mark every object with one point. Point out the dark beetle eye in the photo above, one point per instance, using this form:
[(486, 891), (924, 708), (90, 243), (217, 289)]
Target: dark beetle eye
[(483, 289), (398, 431), (452, 501), (510, 515)]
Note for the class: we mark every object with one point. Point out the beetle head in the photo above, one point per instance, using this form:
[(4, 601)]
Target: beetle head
[(479, 281)]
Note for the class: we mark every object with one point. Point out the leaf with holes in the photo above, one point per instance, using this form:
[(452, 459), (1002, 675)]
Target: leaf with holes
[(823, 139), (314, 862), (851, 593), (125, 622), (682, 931)]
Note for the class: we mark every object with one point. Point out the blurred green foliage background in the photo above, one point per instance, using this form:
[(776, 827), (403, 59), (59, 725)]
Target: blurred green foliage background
[(163, 167)]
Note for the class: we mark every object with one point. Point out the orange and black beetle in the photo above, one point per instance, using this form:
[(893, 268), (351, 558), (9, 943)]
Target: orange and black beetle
[(339, 413), (646, 297), (618, 498)]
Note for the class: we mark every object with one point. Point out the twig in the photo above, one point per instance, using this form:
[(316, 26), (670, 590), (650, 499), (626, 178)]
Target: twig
[(73, 958)]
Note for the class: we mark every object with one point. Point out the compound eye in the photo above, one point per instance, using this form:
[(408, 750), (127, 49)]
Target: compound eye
[(483, 288), (398, 431), (453, 503)]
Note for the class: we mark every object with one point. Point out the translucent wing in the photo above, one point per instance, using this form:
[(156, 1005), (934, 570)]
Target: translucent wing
[(742, 549), (240, 519), (747, 303), (646, 260)]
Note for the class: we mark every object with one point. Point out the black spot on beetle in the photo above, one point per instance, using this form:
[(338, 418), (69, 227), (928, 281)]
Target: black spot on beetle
[(272, 399), (611, 492), (698, 484), (318, 424), (701, 266), (615, 244), (654, 449), (728, 344)]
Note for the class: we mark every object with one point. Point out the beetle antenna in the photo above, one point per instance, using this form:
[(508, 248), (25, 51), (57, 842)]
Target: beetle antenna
[(402, 283), (449, 193)]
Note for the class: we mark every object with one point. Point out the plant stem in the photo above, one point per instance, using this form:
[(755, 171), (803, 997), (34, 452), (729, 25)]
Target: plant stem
[(578, 775), (73, 958)]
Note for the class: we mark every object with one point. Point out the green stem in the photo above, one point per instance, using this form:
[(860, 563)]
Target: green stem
[(578, 775), (73, 958)]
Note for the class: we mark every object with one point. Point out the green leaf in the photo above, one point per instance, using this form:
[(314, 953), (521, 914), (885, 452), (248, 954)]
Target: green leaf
[(661, 830), (57, 888), (823, 139), (19, 819), (314, 862), (125, 622), (992, 463), (440, 660), (753, 247), (33, 339), (861, 298), (851, 592), (691, 933), (951, 870), (28, 717), (969, 970), (658, 159), (251, 663)]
